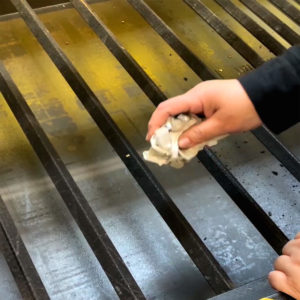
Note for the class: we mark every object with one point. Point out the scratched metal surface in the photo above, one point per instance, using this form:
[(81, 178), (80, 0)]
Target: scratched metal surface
[(157, 261)]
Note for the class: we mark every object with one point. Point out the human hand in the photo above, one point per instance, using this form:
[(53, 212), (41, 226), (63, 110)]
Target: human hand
[(224, 103), (286, 277)]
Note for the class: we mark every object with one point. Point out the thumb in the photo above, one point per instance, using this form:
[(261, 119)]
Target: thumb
[(201, 133)]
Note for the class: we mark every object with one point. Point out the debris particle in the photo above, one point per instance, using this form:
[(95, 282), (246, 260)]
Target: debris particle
[(270, 214), (245, 142), (220, 70), (123, 21), (185, 78), (205, 239), (127, 155), (263, 151), (275, 173), (170, 54)]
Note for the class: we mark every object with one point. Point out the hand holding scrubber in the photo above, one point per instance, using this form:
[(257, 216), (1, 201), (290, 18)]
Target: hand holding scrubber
[(164, 143)]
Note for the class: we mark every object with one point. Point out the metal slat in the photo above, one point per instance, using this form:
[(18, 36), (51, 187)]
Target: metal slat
[(127, 61), (22, 268), (184, 232), (225, 32), (274, 22), (172, 39), (290, 162), (286, 157), (264, 224), (290, 10), (240, 196), (254, 290), (260, 33), (103, 248), (14, 267), (264, 135)]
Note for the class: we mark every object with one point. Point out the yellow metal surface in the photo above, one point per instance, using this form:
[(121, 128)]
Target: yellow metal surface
[(55, 104), (50, 97)]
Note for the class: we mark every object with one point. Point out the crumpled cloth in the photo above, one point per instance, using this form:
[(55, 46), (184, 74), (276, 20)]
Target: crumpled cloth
[(164, 143)]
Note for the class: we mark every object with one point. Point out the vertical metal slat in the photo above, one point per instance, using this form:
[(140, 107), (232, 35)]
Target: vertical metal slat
[(22, 268), (107, 255)]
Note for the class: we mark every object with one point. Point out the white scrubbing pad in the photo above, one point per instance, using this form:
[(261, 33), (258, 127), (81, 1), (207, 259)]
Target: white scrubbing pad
[(164, 143)]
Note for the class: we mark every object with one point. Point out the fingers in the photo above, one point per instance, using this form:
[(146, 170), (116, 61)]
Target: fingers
[(203, 132), (297, 236), (171, 107), (283, 263), (291, 247), (279, 282)]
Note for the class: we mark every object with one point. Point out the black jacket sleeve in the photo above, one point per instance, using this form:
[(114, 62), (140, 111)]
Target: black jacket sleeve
[(274, 89)]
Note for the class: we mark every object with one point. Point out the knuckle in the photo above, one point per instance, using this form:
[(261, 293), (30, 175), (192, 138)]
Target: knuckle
[(201, 90), (281, 261), (161, 106), (287, 247), (196, 134)]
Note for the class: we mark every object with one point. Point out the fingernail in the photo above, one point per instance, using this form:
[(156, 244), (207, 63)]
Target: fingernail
[(184, 142)]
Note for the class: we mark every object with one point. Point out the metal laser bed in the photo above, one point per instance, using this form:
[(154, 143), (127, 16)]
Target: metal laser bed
[(82, 216)]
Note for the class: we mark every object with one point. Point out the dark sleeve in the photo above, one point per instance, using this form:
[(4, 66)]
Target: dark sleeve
[(274, 89)]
